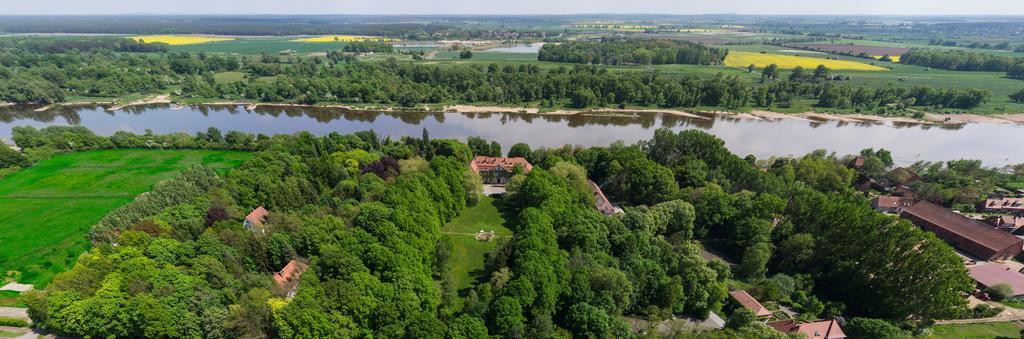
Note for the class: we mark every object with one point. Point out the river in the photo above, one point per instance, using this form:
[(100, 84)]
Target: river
[(995, 144)]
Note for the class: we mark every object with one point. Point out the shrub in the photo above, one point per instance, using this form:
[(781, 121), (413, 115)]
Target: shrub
[(999, 291), (13, 322), (869, 328)]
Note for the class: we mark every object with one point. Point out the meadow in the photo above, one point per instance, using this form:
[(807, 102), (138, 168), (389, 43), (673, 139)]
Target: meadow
[(344, 38), (975, 331), (49, 207), (178, 40), (468, 253)]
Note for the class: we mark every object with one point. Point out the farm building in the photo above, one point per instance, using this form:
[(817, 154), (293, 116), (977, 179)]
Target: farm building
[(255, 220), (601, 201), (498, 170), (1004, 205), (1006, 223), (822, 329), (288, 277), (968, 235), (748, 302), (857, 162), (891, 204), (988, 275)]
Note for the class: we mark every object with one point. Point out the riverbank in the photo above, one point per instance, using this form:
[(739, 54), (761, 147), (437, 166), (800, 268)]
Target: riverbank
[(926, 118)]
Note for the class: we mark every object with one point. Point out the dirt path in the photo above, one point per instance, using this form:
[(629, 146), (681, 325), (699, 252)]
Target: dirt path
[(14, 312)]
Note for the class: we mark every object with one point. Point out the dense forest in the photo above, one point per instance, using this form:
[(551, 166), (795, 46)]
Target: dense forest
[(632, 52), (365, 212)]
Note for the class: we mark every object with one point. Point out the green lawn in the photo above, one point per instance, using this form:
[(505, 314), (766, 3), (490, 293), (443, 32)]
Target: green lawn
[(989, 330), (10, 299), (468, 256), (258, 45), (49, 207)]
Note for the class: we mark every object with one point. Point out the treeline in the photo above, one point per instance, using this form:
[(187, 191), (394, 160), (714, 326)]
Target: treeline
[(976, 45), (368, 46), (35, 44), (632, 52), (956, 60)]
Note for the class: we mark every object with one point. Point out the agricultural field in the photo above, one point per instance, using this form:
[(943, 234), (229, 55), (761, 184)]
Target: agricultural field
[(344, 38), (510, 56), (260, 45), (743, 59), (179, 40), (468, 253), (874, 51), (49, 207)]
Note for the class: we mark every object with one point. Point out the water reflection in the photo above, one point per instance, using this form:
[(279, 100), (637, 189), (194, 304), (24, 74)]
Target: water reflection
[(996, 144)]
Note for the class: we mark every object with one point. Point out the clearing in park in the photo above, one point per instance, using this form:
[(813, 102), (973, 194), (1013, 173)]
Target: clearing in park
[(760, 60), (49, 207), (467, 258), (176, 40)]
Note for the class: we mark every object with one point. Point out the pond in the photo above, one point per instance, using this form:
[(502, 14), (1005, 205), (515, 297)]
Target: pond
[(995, 144)]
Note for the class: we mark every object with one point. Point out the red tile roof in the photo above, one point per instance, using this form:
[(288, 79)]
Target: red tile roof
[(966, 234), (258, 216), (822, 329), (891, 202), (750, 303), (288, 276), (992, 274), (600, 201), (1016, 204), (482, 163)]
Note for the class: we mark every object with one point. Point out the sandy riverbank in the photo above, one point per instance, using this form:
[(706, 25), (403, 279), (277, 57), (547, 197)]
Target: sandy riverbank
[(158, 99)]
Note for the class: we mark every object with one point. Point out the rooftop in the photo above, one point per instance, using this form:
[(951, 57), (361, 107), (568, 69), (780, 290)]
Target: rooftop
[(258, 216), (288, 276), (482, 163), (966, 228), (750, 303), (822, 329), (993, 273)]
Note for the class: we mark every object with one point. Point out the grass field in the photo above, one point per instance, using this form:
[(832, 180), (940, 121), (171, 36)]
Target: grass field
[(743, 59), (344, 38), (258, 45), (49, 207), (176, 40), (10, 299), (468, 256), (989, 330)]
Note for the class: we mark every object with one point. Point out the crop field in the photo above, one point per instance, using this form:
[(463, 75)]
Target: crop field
[(344, 38), (49, 207), (743, 59), (178, 40), (877, 51), (468, 254), (274, 45)]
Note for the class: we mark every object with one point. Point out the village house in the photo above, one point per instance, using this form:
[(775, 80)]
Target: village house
[(256, 219), (891, 204), (287, 279), (1004, 205), (601, 201), (990, 274), (498, 171), (857, 162), (965, 234), (748, 302), (1005, 223), (822, 329)]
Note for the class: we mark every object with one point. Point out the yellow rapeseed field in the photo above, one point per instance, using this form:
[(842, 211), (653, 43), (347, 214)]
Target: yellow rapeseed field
[(743, 59), (179, 39), (345, 38), (894, 58)]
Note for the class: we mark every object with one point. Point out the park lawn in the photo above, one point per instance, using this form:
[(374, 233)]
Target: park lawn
[(987, 330), (10, 299), (468, 253), (49, 207)]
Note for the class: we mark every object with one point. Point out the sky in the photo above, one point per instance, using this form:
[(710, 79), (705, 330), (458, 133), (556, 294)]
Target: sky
[(871, 7)]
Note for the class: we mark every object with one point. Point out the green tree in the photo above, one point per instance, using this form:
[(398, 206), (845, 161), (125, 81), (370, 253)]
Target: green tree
[(868, 328)]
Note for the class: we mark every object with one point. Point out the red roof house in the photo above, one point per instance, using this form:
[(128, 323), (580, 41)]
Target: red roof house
[(495, 170), (992, 274), (968, 235), (256, 219), (288, 277), (750, 303), (601, 202), (891, 204), (1004, 205), (822, 329)]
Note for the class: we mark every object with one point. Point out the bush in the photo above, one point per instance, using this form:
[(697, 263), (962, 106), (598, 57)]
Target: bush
[(13, 322), (869, 328), (999, 292)]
